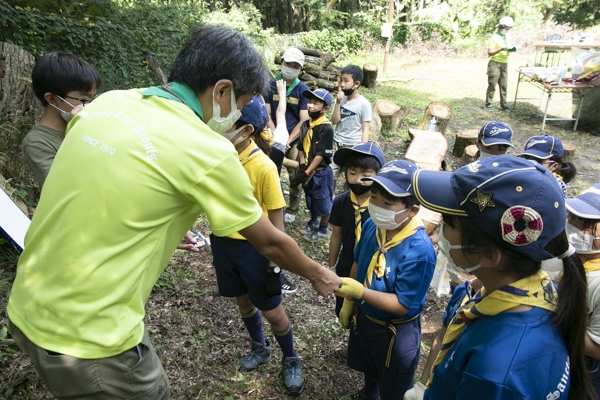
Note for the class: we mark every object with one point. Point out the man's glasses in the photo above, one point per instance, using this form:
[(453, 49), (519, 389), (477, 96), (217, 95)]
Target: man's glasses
[(83, 101)]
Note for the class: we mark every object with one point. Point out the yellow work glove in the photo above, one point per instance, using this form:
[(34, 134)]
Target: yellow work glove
[(346, 313), (350, 288)]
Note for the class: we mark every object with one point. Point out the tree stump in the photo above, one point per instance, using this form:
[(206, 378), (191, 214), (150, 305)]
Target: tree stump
[(469, 155), (442, 113), (370, 76), (463, 139), (390, 113), (427, 149), (374, 126), (569, 151)]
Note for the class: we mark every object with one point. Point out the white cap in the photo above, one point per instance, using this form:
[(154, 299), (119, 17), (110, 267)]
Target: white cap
[(506, 21), (293, 55)]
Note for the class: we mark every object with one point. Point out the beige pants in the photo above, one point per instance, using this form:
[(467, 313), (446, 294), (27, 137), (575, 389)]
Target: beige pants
[(124, 376)]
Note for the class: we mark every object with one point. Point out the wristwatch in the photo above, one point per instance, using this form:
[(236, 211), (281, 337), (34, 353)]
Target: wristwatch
[(275, 269)]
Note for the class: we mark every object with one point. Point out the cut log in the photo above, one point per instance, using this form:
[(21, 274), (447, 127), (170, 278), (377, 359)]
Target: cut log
[(442, 113), (463, 139), (336, 55), (426, 149), (390, 114), (374, 126), (469, 155), (290, 163), (370, 76), (325, 84), (569, 151)]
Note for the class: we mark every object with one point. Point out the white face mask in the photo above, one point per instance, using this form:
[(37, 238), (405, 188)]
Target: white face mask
[(231, 135), (582, 242), (223, 124), (483, 155), (385, 219), (64, 114), (445, 248), (289, 73)]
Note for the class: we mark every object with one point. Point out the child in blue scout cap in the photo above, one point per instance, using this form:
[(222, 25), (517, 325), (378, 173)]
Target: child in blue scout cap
[(393, 267), (494, 139), (583, 229), (517, 337), (548, 151), (244, 273), (350, 209), (315, 149)]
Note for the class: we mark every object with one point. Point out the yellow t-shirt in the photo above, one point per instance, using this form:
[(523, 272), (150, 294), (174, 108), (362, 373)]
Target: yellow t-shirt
[(264, 179), (131, 177), (498, 41)]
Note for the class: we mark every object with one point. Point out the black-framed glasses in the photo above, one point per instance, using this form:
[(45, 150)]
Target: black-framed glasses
[(83, 101)]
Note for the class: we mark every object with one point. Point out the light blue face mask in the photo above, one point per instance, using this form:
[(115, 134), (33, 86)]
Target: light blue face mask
[(445, 248), (223, 124)]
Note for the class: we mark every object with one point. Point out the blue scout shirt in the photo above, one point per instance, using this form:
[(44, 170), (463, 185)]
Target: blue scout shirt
[(510, 356), (408, 273)]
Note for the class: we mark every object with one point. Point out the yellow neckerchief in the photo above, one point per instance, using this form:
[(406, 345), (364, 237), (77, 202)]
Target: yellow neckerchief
[(558, 176), (358, 210), (378, 262), (249, 153), (592, 265), (536, 290), (308, 138)]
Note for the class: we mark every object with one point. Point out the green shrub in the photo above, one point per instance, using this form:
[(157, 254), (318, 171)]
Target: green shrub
[(333, 40)]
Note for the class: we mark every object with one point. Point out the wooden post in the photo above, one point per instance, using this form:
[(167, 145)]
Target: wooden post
[(569, 151), (463, 139), (390, 113), (370, 76), (388, 43), (469, 155), (442, 113)]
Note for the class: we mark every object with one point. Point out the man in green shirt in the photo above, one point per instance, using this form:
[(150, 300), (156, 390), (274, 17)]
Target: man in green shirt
[(135, 170), (497, 70)]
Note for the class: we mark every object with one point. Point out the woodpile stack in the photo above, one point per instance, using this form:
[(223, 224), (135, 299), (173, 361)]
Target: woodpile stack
[(319, 69)]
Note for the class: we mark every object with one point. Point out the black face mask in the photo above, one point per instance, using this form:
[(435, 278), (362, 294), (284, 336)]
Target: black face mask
[(348, 92), (359, 190), (315, 114)]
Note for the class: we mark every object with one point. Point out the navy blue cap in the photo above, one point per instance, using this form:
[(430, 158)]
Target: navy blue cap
[(543, 147), (587, 204), (515, 201), (395, 177), (321, 94), (255, 113), (495, 132), (369, 148)]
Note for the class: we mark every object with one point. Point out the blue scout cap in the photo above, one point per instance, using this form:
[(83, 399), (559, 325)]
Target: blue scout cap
[(369, 148), (587, 204), (255, 113), (543, 147), (495, 132), (515, 201), (321, 94), (395, 177)]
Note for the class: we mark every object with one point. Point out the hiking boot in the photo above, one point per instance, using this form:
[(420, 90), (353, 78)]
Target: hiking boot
[(287, 286), (309, 228), (360, 395), (289, 218), (292, 376), (316, 236), (260, 354)]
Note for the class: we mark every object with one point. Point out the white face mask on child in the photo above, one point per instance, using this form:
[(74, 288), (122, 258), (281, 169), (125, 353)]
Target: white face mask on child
[(582, 242), (289, 73), (445, 248), (64, 114), (231, 135), (385, 219)]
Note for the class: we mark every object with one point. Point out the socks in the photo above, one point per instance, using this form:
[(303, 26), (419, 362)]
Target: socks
[(286, 341), (371, 388), (253, 322), (323, 227)]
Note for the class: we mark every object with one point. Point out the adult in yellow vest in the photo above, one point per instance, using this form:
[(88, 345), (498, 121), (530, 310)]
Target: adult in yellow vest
[(498, 49)]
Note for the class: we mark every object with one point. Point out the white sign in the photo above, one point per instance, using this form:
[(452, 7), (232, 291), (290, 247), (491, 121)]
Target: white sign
[(386, 30), (13, 221)]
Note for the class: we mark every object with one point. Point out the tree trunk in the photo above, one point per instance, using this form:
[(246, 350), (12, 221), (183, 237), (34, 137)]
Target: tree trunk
[(442, 113), (569, 149), (469, 155), (290, 17), (280, 16), (390, 113), (370, 76), (463, 139)]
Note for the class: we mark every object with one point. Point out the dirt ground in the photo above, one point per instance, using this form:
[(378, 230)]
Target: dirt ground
[(199, 335)]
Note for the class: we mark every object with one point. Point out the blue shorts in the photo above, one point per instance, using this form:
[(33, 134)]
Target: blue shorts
[(319, 193), (241, 269), (368, 348)]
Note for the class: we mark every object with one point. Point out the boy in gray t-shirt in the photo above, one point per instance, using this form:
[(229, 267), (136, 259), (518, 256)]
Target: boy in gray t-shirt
[(351, 114)]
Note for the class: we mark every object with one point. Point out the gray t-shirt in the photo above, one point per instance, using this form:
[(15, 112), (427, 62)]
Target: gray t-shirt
[(40, 147), (352, 113)]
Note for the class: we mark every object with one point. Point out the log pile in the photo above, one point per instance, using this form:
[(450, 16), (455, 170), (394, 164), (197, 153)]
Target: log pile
[(319, 69)]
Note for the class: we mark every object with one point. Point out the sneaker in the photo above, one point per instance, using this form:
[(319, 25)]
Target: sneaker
[(507, 108), (289, 218), (260, 354), (287, 286), (292, 376), (360, 395), (316, 236), (309, 228), (489, 108)]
